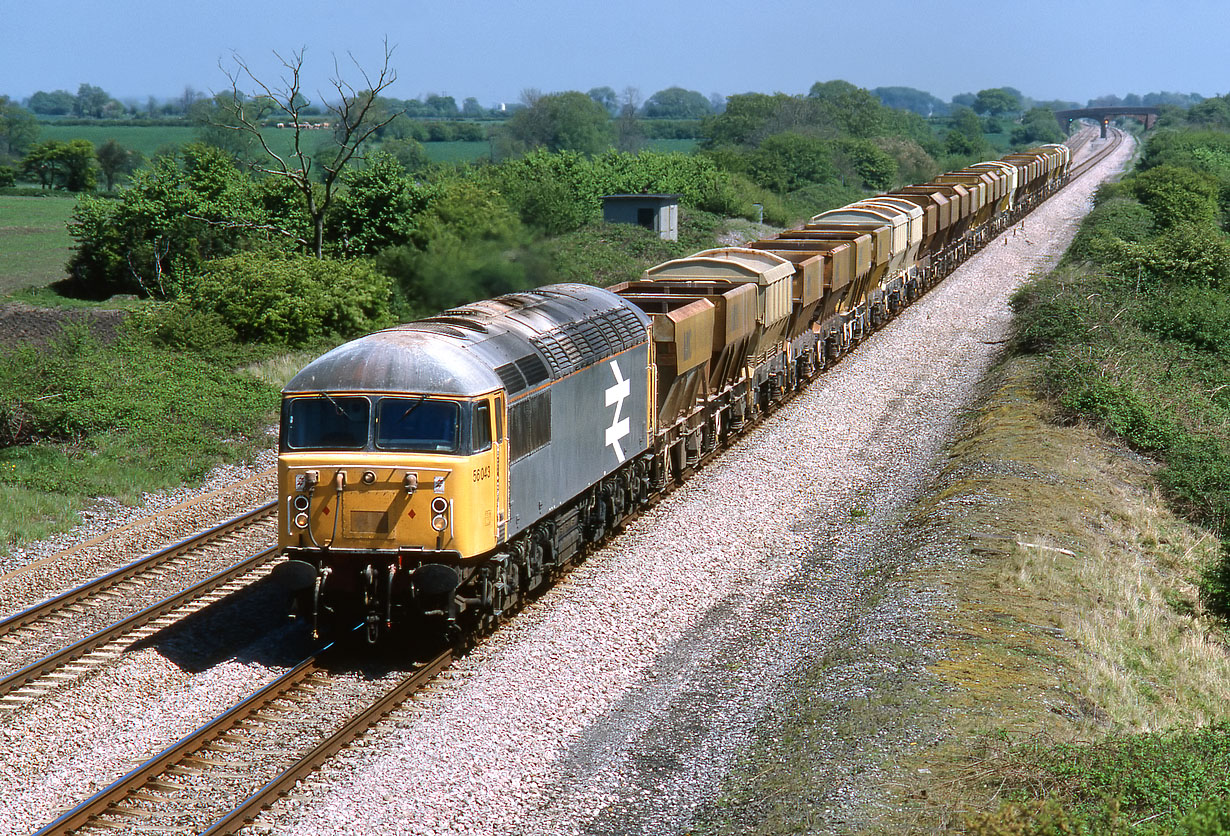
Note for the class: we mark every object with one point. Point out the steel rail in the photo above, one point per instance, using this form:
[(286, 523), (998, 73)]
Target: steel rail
[(309, 763), (98, 805), (137, 567), (60, 658)]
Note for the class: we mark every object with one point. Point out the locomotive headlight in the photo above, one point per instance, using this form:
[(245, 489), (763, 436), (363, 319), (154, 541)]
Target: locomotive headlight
[(439, 507), (301, 503), (301, 520)]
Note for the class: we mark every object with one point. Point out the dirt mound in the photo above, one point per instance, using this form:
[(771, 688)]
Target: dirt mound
[(22, 323)]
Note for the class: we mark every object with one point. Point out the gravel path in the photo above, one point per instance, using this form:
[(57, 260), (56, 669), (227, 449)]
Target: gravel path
[(618, 701)]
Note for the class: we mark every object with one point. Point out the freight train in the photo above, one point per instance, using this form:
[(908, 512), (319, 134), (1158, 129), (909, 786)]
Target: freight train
[(433, 474)]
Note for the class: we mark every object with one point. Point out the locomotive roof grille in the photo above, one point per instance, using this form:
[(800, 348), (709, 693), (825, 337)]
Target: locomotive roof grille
[(512, 378), (579, 344), (534, 370)]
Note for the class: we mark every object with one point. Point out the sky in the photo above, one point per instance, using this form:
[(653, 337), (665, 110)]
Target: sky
[(494, 50)]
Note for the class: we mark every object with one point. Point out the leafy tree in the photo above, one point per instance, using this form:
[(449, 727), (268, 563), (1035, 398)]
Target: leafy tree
[(62, 165), (442, 106), (553, 193), (853, 109), (377, 207), (788, 161), (914, 163), (90, 101), (569, 121), (471, 109), (868, 162), (55, 103), (181, 211), (908, 98), (357, 116), (1037, 126), (114, 160), (964, 100), (677, 103), (1212, 113), (18, 128), (606, 97), (965, 139), (745, 120), (408, 152), (997, 101), (459, 251)]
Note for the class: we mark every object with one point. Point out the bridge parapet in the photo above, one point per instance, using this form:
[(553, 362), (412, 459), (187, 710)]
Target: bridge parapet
[(1103, 115)]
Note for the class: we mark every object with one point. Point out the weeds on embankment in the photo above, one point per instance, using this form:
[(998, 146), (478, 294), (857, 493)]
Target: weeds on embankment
[(80, 419), (1130, 339)]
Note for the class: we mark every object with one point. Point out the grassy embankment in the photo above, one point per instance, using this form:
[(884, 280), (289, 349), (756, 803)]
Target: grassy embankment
[(1074, 678)]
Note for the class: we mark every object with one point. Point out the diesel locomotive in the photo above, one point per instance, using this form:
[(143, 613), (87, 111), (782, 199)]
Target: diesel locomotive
[(432, 474)]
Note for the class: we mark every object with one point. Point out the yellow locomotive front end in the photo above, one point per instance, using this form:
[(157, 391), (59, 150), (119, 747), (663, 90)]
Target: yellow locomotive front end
[(392, 483), (390, 474)]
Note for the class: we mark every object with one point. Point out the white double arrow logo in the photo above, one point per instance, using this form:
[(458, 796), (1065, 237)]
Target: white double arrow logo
[(620, 427)]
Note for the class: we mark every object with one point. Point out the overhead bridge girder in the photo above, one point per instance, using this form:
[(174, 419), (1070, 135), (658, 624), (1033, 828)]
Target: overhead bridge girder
[(1147, 115)]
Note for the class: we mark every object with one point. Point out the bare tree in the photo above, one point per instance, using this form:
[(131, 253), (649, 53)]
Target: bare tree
[(629, 135), (356, 115)]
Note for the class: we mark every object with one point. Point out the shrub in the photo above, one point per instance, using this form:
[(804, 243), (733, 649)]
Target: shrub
[(1048, 316), (1198, 317), (283, 299), (1177, 195), (1116, 405), (1124, 219)]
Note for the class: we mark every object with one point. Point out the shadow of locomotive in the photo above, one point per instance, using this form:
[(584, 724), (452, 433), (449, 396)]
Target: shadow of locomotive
[(255, 625)]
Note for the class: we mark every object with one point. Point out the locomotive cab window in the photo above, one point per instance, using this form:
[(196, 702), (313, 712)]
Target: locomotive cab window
[(325, 422), (418, 425), (480, 434)]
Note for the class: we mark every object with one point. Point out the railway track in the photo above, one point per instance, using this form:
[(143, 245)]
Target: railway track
[(53, 642), (192, 784), (1115, 139)]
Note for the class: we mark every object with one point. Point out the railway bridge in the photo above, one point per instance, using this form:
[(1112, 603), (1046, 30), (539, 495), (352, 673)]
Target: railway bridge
[(1148, 115)]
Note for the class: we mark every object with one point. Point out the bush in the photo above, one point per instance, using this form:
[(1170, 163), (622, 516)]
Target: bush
[(1198, 317), (1121, 218), (1118, 406), (282, 299), (77, 389), (1177, 196), (1048, 316)]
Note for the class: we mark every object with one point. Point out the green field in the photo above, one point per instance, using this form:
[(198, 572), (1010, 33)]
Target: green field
[(34, 243), (146, 140), (150, 140)]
